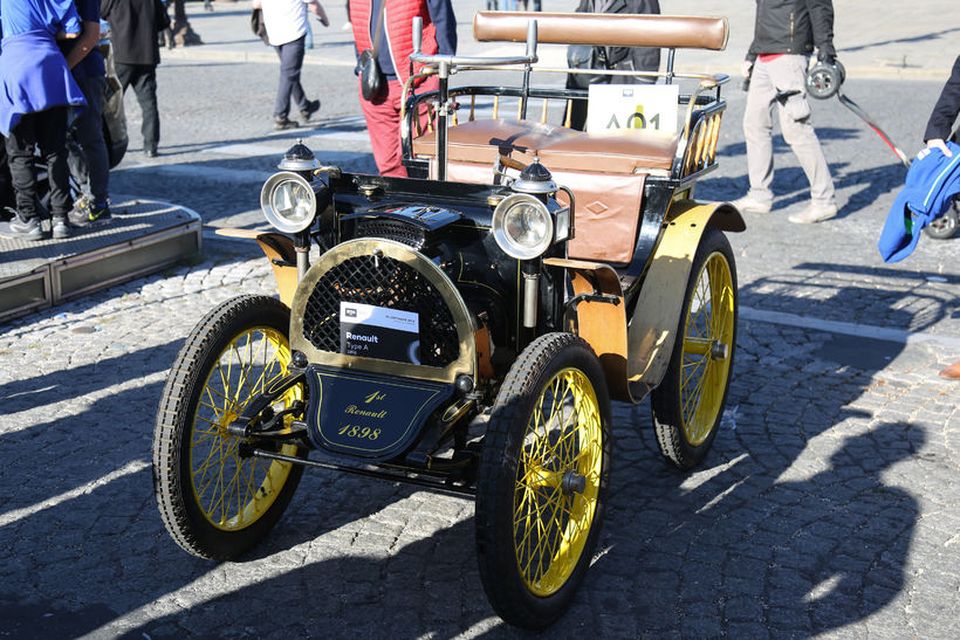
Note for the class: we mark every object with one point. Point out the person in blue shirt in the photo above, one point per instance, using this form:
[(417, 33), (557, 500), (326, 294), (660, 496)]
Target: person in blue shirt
[(36, 94), (88, 159)]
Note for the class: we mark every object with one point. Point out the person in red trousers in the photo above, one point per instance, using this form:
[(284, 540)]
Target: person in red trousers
[(391, 23)]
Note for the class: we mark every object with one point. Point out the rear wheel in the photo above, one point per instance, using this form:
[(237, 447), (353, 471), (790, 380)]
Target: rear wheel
[(215, 502), (688, 404), (542, 480), (947, 225)]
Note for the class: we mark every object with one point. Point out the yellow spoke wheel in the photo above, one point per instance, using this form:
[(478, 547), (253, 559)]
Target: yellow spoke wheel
[(215, 502), (542, 480), (688, 404)]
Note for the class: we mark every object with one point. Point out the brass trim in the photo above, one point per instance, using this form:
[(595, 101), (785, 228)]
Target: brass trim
[(466, 328)]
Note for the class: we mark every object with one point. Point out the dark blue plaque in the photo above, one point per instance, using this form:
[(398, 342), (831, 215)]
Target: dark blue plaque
[(368, 415)]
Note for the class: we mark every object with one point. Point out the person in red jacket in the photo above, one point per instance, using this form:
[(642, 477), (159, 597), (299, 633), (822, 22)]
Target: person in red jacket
[(393, 54)]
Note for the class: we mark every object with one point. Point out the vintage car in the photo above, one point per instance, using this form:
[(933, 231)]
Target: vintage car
[(466, 329)]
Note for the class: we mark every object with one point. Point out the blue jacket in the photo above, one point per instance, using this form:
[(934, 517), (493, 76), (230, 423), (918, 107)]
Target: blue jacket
[(932, 182), (33, 72)]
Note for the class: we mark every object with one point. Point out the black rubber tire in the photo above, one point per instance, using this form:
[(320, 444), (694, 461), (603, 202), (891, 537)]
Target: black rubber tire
[(172, 436), (496, 478), (665, 398), (947, 225)]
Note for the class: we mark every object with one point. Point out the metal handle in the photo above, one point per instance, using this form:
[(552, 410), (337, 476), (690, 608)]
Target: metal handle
[(532, 40), (417, 34), (454, 60)]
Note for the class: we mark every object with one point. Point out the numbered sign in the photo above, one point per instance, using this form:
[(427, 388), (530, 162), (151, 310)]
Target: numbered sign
[(632, 106)]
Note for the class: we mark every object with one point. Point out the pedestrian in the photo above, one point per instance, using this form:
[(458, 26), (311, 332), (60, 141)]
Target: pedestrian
[(37, 92), (88, 159), (134, 29), (287, 25), (391, 21), (940, 128), (944, 115), (785, 34), (618, 58)]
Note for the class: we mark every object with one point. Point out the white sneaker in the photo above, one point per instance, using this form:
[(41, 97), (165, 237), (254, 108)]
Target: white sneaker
[(752, 204), (814, 213), (346, 26)]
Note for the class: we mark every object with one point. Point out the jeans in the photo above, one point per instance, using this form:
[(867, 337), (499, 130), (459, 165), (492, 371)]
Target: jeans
[(784, 74), (291, 61), (47, 130), (88, 152), (143, 77)]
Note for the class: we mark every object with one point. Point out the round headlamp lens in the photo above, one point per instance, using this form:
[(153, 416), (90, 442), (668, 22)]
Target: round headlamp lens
[(526, 225), (289, 202), (522, 226)]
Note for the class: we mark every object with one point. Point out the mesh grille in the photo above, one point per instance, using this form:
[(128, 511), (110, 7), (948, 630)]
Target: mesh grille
[(392, 284), (393, 230)]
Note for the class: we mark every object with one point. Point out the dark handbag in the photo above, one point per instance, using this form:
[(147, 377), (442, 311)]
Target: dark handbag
[(372, 80), (258, 27)]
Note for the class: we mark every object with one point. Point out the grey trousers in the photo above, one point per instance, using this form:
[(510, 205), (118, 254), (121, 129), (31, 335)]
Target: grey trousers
[(784, 74)]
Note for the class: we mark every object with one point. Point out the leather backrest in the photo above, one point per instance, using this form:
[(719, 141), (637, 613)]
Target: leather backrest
[(604, 29)]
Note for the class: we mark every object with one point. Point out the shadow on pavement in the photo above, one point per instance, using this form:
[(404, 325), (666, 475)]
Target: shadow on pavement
[(926, 37), (790, 529)]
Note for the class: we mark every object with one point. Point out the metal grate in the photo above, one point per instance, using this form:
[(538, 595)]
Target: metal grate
[(393, 230), (383, 282)]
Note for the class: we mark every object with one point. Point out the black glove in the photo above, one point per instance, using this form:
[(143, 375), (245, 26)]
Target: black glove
[(826, 57)]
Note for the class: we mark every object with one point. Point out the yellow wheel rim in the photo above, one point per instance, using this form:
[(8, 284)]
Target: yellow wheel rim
[(558, 480), (707, 347), (233, 492)]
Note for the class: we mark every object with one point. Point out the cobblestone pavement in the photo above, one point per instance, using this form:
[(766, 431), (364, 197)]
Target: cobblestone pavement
[(825, 508)]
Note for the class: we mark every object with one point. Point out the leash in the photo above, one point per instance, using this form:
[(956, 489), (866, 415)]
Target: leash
[(863, 115)]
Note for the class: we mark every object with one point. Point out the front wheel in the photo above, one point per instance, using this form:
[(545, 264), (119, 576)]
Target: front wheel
[(542, 480), (688, 404), (215, 501)]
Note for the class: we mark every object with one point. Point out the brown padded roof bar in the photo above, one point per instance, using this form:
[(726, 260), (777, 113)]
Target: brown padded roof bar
[(604, 29)]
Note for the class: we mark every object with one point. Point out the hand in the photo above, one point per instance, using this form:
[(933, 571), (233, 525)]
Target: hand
[(826, 57), (746, 68), (937, 143), (317, 9)]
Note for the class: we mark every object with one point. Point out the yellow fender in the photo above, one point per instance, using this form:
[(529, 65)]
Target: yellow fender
[(279, 251), (655, 323)]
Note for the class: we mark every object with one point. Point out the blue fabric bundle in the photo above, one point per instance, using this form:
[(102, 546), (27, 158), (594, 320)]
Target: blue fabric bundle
[(33, 72), (932, 182)]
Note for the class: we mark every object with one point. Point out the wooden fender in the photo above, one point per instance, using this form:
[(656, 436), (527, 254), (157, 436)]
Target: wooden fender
[(279, 251), (602, 324), (655, 323)]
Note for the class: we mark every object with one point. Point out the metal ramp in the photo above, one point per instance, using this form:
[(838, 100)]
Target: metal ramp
[(144, 237)]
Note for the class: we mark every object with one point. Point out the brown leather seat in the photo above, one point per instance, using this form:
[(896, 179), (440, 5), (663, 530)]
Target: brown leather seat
[(606, 171), (624, 152), (481, 141)]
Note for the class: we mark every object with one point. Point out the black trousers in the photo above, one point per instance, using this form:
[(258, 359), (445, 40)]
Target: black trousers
[(6, 184), (48, 131), (143, 78), (291, 61)]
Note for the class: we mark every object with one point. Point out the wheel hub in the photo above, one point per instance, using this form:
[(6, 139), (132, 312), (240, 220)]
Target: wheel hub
[(573, 482), (719, 350)]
